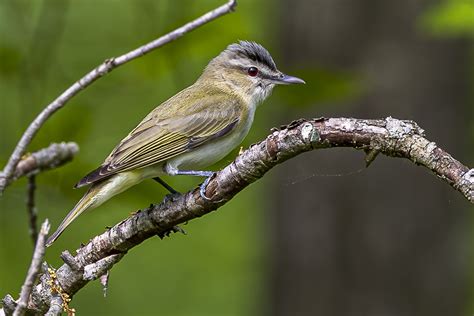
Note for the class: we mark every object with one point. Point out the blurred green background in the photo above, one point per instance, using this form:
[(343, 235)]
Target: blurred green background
[(226, 265)]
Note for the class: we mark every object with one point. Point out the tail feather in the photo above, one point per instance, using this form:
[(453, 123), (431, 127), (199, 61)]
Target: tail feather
[(83, 204), (97, 194)]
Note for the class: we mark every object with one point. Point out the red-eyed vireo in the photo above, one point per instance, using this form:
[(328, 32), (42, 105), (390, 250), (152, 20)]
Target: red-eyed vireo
[(192, 130)]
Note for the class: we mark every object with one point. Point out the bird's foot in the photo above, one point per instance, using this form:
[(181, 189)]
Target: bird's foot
[(202, 188), (174, 229), (171, 197)]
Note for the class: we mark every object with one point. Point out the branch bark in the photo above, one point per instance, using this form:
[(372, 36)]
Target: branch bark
[(98, 72), (33, 270), (392, 137), (51, 157)]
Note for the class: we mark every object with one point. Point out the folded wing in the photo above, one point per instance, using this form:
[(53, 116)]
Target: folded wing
[(160, 137)]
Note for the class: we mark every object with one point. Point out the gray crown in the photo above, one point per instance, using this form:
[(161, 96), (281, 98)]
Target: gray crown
[(253, 51)]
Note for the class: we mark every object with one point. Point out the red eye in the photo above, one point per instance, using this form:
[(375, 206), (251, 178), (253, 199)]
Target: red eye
[(252, 71)]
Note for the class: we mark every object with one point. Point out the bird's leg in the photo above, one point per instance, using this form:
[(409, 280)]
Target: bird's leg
[(194, 173), (169, 196), (166, 185), (202, 187), (208, 174)]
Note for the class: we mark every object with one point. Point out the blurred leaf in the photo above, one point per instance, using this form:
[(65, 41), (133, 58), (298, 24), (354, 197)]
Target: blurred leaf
[(221, 256), (450, 18)]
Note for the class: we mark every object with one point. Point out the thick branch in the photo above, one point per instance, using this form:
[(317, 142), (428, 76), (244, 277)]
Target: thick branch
[(391, 137), (95, 74)]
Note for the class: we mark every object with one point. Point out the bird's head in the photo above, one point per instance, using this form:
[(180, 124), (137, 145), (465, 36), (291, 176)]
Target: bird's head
[(248, 69)]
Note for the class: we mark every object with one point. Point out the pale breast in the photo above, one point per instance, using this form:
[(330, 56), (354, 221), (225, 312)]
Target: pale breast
[(215, 150)]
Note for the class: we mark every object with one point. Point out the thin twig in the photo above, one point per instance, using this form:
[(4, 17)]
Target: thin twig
[(69, 260), (97, 269), (9, 305), (97, 73), (390, 137), (33, 270), (31, 208), (51, 157), (104, 280)]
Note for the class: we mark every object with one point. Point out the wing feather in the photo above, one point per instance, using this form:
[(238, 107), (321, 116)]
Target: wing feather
[(161, 136)]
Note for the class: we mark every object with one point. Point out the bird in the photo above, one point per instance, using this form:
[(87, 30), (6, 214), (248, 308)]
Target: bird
[(190, 131)]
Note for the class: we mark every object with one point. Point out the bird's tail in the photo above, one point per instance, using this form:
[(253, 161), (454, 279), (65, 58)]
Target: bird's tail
[(85, 203), (97, 194)]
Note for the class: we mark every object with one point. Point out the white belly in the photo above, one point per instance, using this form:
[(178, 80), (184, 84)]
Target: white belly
[(213, 151)]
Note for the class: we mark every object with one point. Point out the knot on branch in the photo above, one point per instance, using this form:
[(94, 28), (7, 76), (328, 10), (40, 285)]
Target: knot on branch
[(400, 128), (309, 133), (107, 66)]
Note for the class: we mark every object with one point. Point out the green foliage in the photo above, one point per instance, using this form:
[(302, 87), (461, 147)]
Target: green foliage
[(45, 47), (219, 267), (450, 18)]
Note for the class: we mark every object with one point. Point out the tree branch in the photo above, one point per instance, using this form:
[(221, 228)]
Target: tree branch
[(56, 307), (44, 159), (390, 136), (33, 270), (31, 208), (98, 72)]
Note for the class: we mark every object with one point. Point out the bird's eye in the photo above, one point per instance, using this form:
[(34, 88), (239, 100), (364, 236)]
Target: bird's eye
[(252, 71)]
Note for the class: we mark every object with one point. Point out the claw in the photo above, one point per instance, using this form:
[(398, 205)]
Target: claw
[(170, 197), (177, 229), (202, 188), (174, 229)]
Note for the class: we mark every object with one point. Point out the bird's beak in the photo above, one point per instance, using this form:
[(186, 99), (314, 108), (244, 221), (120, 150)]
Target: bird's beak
[(285, 79)]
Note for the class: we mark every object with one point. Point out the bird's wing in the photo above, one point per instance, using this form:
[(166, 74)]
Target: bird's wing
[(158, 138)]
